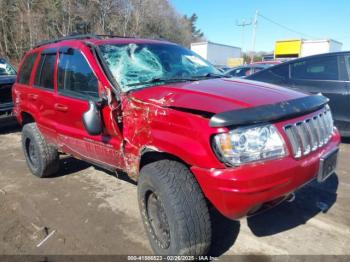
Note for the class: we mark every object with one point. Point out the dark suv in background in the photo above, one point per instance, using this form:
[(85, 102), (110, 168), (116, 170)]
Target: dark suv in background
[(328, 74), (7, 78)]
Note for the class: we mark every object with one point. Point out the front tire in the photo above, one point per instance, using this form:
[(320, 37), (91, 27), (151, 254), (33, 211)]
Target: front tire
[(173, 209), (42, 158)]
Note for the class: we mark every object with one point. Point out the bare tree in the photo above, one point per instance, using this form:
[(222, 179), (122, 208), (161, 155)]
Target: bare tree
[(26, 22)]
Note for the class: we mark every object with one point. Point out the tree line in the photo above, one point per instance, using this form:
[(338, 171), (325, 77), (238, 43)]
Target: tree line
[(23, 23)]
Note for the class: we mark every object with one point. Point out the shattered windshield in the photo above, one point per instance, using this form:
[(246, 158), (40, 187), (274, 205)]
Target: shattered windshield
[(6, 68), (139, 65)]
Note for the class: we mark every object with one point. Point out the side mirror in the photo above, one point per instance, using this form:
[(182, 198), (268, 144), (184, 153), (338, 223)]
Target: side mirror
[(92, 119)]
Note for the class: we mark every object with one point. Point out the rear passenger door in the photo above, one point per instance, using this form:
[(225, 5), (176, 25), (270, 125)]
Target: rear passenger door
[(76, 85), (42, 93), (323, 75), (23, 82)]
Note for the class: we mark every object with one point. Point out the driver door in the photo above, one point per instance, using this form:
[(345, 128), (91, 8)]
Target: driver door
[(77, 84)]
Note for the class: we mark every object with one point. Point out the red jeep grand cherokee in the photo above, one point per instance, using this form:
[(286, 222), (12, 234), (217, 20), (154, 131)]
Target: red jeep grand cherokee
[(166, 117)]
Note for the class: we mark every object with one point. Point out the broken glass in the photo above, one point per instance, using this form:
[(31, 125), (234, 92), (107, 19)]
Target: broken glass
[(148, 64)]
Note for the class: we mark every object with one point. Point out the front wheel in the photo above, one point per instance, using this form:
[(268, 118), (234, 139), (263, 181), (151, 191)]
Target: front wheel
[(173, 209)]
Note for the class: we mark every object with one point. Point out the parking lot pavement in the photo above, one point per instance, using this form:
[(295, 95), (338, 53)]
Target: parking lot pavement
[(91, 211)]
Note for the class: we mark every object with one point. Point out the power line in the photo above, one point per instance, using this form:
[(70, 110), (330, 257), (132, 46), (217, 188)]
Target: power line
[(254, 35), (243, 24), (285, 27)]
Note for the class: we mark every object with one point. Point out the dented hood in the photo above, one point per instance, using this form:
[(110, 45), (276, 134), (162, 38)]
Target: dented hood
[(216, 95)]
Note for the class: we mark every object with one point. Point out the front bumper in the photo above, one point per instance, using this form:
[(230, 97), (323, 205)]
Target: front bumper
[(238, 191)]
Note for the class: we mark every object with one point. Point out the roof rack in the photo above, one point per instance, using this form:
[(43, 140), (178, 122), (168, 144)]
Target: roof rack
[(78, 37)]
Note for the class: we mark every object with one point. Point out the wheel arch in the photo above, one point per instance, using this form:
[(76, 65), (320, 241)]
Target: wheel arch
[(150, 154), (26, 118)]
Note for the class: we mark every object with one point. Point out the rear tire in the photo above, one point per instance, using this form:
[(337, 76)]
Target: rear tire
[(173, 209), (42, 158)]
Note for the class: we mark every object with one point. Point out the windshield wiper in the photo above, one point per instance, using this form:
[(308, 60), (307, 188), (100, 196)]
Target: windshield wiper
[(210, 75), (162, 80), (179, 79)]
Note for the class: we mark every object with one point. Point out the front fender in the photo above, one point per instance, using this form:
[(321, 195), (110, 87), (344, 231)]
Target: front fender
[(181, 134)]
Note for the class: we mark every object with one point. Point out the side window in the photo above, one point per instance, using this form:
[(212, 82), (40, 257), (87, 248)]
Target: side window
[(238, 72), (233, 72), (45, 71), (347, 63), (6, 68), (26, 69), (242, 72), (75, 77), (257, 69), (323, 68), (280, 72), (276, 75)]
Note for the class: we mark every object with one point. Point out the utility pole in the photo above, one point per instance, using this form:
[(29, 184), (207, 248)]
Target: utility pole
[(254, 36), (243, 24)]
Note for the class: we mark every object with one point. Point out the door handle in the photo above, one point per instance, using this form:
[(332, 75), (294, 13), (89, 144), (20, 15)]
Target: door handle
[(33, 97), (61, 108)]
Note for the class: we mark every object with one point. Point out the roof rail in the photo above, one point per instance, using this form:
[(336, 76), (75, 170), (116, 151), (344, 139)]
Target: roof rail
[(70, 37), (78, 37), (114, 36)]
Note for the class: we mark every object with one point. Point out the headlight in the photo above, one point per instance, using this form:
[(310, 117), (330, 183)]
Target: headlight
[(248, 144)]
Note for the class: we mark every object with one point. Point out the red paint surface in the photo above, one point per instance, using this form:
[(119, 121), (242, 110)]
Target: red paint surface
[(217, 95), (148, 122)]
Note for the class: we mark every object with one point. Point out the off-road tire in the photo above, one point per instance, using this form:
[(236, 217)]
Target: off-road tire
[(185, 208), (46, 156)]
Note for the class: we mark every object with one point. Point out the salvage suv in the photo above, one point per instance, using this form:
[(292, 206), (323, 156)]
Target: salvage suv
[(191, 138)]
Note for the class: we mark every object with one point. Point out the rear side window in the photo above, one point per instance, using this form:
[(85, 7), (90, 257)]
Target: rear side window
[(275, 75), (45, 71), (323, 68), (75, 76), (26, 69)]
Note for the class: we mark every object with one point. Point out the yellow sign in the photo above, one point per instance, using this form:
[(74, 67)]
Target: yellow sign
[(287, 48), (232, 62)]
